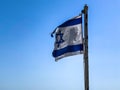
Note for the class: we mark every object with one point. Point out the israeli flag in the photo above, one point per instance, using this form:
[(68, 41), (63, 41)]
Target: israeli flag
[(68, 38)]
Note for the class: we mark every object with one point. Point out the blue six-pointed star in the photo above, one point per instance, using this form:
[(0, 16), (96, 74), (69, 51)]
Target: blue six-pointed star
[(59, 38)]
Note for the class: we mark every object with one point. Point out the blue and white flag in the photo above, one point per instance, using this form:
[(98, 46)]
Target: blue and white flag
[(68, 38)]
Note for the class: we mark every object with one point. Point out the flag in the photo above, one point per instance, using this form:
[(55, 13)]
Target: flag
[(68, 38)]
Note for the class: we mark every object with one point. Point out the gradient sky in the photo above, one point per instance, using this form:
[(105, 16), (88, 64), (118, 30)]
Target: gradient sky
[(26, 62)]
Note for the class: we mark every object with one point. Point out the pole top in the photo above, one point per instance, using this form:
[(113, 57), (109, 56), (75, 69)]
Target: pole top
[(85, 8)]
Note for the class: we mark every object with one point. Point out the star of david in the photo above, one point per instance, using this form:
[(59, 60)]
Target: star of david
[(59, 38)]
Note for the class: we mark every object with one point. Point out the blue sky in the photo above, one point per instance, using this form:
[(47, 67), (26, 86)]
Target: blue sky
[(26, 62)]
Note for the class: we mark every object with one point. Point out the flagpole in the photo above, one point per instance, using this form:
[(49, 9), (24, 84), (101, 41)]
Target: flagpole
[(86, 66)]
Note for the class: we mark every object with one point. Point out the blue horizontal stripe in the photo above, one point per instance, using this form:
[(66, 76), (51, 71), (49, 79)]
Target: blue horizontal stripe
[(68, 49), (71, 22)]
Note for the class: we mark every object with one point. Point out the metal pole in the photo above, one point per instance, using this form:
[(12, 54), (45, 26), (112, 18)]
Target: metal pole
[(86, 66)]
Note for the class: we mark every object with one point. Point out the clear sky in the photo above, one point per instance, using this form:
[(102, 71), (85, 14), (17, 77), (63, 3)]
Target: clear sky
[(26, 62)]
